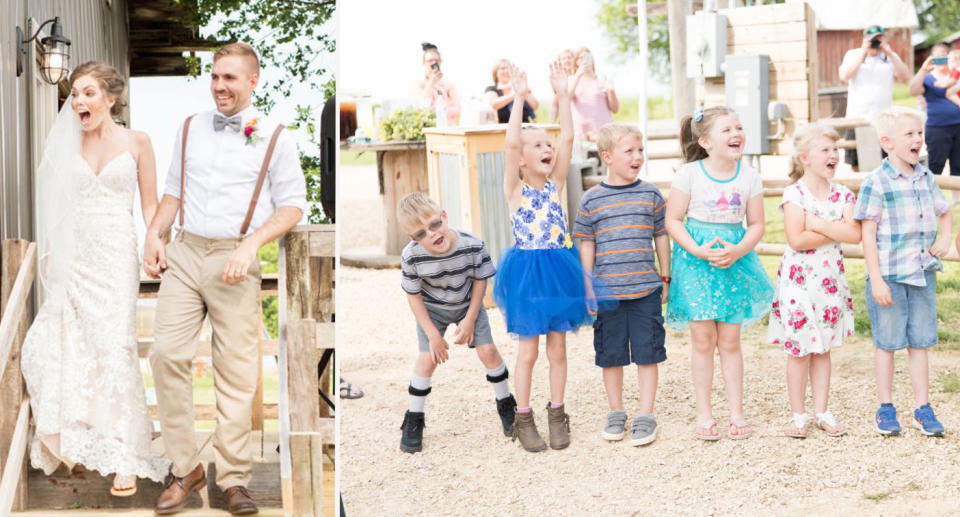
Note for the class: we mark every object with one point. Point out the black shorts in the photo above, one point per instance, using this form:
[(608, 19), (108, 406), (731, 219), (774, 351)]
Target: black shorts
[(633, 332)]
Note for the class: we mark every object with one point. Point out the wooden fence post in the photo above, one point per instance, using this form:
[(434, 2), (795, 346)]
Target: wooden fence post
[(12, 388)]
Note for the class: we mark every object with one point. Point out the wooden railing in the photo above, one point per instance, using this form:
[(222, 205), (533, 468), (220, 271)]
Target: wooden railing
[(18, 260), (304, 286)]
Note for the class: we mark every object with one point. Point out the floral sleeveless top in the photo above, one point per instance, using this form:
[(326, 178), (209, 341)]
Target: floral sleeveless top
[(540, 223)]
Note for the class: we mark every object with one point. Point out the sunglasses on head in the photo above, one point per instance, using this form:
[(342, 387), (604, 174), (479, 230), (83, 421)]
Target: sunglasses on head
[(432, 227)]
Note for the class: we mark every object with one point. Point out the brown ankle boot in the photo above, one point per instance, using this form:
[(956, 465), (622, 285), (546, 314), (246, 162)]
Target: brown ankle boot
[(525, 429), (177, 490), (559, 424)]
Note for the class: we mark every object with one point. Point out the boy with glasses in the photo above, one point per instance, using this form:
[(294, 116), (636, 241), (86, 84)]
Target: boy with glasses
[(445, 274)]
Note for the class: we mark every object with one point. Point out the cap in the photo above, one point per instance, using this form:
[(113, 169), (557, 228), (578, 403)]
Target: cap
[(873, 29)]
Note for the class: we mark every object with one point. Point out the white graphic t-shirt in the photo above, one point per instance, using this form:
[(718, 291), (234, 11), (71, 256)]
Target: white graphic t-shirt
[(717, 201)]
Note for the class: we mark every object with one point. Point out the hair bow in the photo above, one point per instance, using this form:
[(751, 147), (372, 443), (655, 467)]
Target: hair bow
[(698, 115)]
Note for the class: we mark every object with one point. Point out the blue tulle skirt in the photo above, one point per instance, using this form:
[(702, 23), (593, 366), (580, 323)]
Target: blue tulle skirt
[(741, 293), (541, 290)]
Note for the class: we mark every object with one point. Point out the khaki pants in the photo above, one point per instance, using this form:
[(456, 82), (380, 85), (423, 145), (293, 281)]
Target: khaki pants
[(191, 289)]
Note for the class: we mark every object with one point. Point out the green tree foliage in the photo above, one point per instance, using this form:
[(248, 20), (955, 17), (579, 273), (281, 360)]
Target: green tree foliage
[(288, 35), (938, 18), (621, 30)]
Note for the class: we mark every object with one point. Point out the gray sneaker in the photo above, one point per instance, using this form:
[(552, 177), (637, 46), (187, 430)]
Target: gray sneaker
[(616, 421), (644, 430)]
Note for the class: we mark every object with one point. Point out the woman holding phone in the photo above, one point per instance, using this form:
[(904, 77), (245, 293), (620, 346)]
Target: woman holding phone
[(435, 88), (942, 131), (593, 100)]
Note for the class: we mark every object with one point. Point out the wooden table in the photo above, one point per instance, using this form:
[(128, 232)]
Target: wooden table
[(401, 169)]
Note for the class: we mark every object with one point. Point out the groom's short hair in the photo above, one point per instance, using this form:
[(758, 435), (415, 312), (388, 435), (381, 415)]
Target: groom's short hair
[(239, 49)]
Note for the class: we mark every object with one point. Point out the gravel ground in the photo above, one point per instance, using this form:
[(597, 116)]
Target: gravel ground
[(468, 467)]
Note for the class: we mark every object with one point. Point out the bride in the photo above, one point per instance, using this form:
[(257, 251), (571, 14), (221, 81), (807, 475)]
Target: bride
[(80, 357)]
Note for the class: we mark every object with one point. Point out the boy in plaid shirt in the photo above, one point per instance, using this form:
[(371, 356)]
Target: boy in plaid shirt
[(906, 229)]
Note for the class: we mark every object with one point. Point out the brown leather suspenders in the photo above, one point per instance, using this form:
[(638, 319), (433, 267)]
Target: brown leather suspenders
[(256, 191)]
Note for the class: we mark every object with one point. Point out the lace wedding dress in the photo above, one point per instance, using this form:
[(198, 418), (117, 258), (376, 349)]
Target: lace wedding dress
[(80, 356)]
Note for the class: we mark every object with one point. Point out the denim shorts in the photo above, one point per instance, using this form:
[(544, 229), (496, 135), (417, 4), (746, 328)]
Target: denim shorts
[(633, 332), (443, 318), (910, 321)]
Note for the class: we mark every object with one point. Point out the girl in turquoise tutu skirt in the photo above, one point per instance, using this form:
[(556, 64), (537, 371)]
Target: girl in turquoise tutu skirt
[(540, 285), (719, 284)]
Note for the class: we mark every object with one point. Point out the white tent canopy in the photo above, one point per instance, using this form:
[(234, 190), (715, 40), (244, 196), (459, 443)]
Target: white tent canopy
[(860, 14)]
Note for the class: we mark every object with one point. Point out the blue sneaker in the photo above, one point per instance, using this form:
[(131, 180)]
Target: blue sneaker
[(887, 420), (926, 421)]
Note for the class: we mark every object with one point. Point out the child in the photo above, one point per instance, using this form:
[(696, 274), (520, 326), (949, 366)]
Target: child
[(616, 222), (952, 84), (812, 310), (720, 284), (540, 288), (906, 229), (445, 276)]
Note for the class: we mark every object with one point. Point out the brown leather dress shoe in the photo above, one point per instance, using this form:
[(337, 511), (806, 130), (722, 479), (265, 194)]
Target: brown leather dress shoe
[(177, 490), (239, 501)]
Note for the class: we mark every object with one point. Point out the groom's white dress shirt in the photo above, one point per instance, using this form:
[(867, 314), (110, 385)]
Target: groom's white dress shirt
[(222, 171)]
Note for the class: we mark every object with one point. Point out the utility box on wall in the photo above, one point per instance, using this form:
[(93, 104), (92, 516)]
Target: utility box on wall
[(747, 84), (706, 44)]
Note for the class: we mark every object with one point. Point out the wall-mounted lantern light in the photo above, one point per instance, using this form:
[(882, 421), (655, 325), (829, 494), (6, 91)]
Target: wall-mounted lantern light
[(55, 64)]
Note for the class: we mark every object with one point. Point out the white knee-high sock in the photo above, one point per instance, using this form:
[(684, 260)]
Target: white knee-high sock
[(498, 377), (419, 389)]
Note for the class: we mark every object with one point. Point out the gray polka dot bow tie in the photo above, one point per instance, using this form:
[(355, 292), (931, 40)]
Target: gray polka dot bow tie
[(219, 122)]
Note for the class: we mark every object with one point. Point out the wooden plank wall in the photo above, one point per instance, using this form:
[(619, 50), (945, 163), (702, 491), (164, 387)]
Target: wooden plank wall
[(786, 33), (832, 45)]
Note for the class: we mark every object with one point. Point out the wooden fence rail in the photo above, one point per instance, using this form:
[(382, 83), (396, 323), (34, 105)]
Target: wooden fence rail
[(18, 267)]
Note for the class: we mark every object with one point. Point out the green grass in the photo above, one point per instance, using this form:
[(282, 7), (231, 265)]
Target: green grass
[(354, 159), (902, 97), (657, 108), (948, 283), (949, 382)]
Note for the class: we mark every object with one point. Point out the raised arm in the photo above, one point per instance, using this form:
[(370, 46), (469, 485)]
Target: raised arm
[(916, 84), (558, 79), (514, 143), (852, 61), (900, 69)]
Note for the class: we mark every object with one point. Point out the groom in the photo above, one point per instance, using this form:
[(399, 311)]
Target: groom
[(236, 182)]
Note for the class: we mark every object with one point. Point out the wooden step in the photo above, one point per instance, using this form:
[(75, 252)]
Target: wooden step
[(90, 490), (199, 512)]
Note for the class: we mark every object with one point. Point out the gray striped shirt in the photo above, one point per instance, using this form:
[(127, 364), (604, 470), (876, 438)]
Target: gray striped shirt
[(623, 220), (446, 281)]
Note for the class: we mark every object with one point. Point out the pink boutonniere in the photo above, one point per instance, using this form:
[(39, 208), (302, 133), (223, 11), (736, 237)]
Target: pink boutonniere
[(250, 131)]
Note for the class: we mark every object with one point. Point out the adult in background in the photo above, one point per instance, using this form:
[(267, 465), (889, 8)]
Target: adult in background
[(593, 101), (870, 72), (434, 87), (942, 131), (500, 95)]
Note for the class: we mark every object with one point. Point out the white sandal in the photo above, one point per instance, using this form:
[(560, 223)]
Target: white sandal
[(797, 426), (124, 485), (826, 419)]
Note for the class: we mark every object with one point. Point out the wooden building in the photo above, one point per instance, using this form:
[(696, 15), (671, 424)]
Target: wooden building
[(840, 28), (138, 37)]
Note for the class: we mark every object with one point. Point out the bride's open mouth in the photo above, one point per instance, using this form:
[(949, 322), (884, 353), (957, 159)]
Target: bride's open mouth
[(84, 115)]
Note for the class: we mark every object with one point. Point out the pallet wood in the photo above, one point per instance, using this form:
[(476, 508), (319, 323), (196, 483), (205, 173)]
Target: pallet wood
[(13, 463), (15, 307), (264, 485), (307, 452), (302, 382), (12, 388), (88, 489)]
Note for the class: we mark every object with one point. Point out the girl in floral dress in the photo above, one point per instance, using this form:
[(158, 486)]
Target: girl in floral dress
[(812, 310), (540, 284)]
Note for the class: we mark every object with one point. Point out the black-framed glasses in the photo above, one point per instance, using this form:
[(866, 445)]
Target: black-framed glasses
[(432, 227)]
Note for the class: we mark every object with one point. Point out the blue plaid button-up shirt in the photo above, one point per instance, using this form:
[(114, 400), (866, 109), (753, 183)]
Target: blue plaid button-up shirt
[(906, 210)]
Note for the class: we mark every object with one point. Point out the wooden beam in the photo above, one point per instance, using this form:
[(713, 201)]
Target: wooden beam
[(296, 275), (12, 388), (16, 304), (13, 465), (307, 452), (323, 243), (849, 251), (302, 382), (149, 287)]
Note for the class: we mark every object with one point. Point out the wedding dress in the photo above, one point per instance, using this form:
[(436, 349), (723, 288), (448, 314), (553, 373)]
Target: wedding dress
[(80, 357)]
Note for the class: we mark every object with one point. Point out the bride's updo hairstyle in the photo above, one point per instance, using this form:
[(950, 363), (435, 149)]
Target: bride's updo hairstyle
[(111, 82)]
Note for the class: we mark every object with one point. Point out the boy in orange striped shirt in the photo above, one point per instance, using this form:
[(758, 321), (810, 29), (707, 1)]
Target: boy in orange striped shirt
[(620, 227)]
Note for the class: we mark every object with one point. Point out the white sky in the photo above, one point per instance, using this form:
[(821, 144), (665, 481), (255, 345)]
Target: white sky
[(380, 43)]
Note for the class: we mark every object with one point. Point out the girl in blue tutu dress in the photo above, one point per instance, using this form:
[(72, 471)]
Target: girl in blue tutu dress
[(540, 284), (719, 284)]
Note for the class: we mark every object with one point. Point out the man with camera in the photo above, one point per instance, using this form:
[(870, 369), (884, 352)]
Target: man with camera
[(870, 71)]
